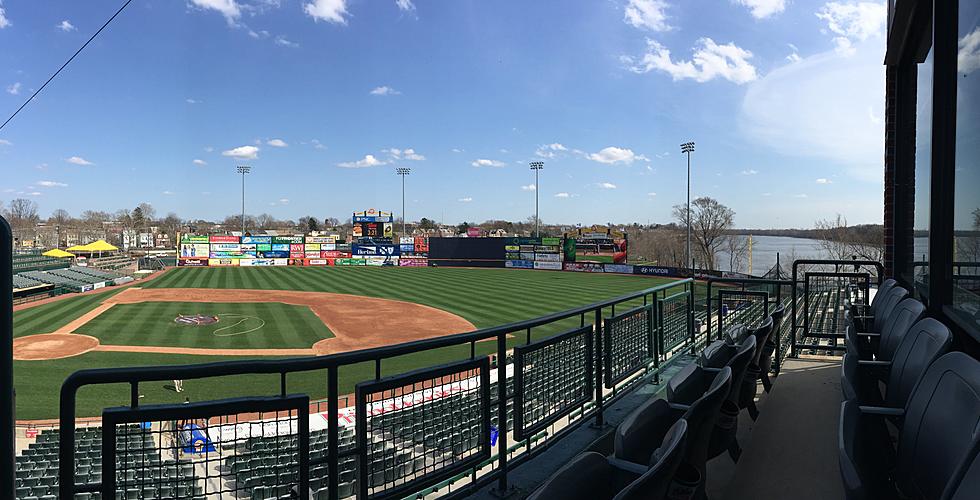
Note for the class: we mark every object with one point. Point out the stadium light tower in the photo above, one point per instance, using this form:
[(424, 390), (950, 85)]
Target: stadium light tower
[(688, 147), (536, 166), (243, 169), (403, 171)]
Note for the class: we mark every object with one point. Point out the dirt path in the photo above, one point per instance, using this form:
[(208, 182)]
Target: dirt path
[(357, 322)]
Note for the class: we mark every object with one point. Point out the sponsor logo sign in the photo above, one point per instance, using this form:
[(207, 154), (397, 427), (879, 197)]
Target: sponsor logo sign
[(222, 262), (512, 248), (519, 264), (224, 239), (473, 232), (547, 257), (320, 239), (334, 254), (263, 247), (96, 286), (296, 247), (421, 244), (406, 240), (553, 266), (618, 268), (527, 255), (193, 238), (317, 262), (263, 240), (413, 262), (195, 250), (655, 270), (583, 267), (274, 254), (374, 250), (193, 262), (313, 246), (328, 246), (280, 262), (280, 247), (406, 248), (287, 239)]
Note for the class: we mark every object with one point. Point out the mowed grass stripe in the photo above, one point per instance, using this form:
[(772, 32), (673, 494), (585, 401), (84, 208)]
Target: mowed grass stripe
[(49, 317)]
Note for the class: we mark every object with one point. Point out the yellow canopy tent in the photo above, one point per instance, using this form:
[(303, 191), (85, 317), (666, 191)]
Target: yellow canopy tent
[(100, 246), (78, 248), (57, 252)]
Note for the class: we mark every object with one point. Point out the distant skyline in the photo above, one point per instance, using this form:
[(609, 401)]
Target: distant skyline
[(325, 98)]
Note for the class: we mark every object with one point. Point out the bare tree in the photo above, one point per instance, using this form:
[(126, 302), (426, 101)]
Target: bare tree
[(844, 242), (149, 213), (60, 217), (968, 246), (22, 213), (709, 221), (264, 221), (737, 247)]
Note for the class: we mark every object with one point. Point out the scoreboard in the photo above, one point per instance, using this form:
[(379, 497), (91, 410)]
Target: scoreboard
[(374, 225)]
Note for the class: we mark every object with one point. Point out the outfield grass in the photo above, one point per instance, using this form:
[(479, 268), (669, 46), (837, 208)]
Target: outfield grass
[(268, 325), (485, 297)]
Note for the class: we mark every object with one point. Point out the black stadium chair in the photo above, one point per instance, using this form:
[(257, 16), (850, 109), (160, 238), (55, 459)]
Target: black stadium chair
[(882, 345), (938, 438), (925, 342), (891, 299), (593, 476), (862, 315), (769, 346), (737, 357)]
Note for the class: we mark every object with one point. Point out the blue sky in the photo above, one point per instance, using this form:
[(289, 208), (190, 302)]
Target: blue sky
[(325, 98)]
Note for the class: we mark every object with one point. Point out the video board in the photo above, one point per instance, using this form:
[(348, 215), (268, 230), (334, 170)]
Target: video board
[(600, 244)]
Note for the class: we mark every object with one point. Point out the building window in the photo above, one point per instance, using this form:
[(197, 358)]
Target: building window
[(923, 162), (966, 204)]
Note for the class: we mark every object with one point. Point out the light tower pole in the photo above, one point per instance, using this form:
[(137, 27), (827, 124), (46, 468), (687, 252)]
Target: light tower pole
[(688, 147), (243, 169), (536, 166), (403, 171)]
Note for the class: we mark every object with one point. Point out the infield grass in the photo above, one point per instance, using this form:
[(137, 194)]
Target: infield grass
[(265, 325), (485, 297)]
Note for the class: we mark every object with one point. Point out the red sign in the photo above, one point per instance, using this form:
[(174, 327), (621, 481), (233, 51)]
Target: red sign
[(473, 232), (296, 247), (333, 254), (224, 239), (421, 244)]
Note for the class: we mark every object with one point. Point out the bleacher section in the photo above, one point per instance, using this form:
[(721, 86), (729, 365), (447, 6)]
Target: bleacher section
[(142, 472), (113, 262), (22, 282), (74, 278), (37, 262)]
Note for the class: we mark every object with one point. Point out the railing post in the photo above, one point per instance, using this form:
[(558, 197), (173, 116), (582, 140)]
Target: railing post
[(7, 418), (792, 330), (707, 303), (690, 318), (598, 368), (503, 490), (333, 434)]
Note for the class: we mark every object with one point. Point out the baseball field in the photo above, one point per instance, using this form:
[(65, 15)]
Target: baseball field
[(197, 315)]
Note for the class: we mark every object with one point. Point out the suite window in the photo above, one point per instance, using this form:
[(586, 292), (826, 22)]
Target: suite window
[(923, 151)]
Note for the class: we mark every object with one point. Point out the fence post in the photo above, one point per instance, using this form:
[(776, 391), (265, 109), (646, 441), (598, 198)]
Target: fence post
[(598, 367), (792, 330), (333, 438), (707, 303), (502, 488), (7, 419)]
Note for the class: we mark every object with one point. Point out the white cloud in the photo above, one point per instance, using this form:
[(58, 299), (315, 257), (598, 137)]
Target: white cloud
[(317, 144), (801, 195), (563, 195), (331, 11), (78, 160), (823, 180), (794, 56), (284, 201), (258, 34), (465, 200), (710, 61), (4, 22), (192, 101), (647, 14), (800, 109), (403, 154), (277, 143), (612, 154), (405, 5), (968, 57), (457, 150), (242, 153), (65, 26), (762, 9), (199, 162), (51, 184), (34, 193), (853, 22), (167, 193), (550, 150), (482, 162), (384, 90), (651, 194), (228, 8), (529, 187), (208, 149), (749, 172), (606, 185), (284, 42), (13, 88), (367, 161), (5, 142)]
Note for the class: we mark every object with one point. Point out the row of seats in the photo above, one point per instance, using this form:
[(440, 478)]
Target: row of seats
[(21, 282), (661, 449), (910, 417), (98, 273)]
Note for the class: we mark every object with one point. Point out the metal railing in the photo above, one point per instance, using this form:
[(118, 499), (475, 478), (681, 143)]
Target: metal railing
[(822, 291), (416, 432), (749, 301)]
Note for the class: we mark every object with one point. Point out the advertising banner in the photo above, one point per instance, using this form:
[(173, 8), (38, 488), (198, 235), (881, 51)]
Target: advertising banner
[(224, 239), (656, 270), (312, 246), (527, 255), (280, 247), (404, 249), (406, 240), (583, 267), (413, 262), (193, 238), (96, 286), (257, 240), (274, 254), (312, 255), (375, 261), (421, 244), (334, 254), (222, 262), (263, 247), (473, 232), (328, 246), (546, 249), (519, 264), (372, 215), (512, 248), (297, 255), (316, 262), (249, 250), (256, 262), (374, 250), (226, 247), (194, 262), (618, 268), (552, 266), (296, 247), (547, 257), (551, 241), (195, 250), (280, 262), (287, 239), (320, 239)]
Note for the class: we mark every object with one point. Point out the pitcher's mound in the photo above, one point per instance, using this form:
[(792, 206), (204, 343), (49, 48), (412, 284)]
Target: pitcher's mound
[(52, 346)]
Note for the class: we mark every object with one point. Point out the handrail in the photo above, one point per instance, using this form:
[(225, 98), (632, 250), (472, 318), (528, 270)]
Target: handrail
[(740, 281), (135, 375)]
